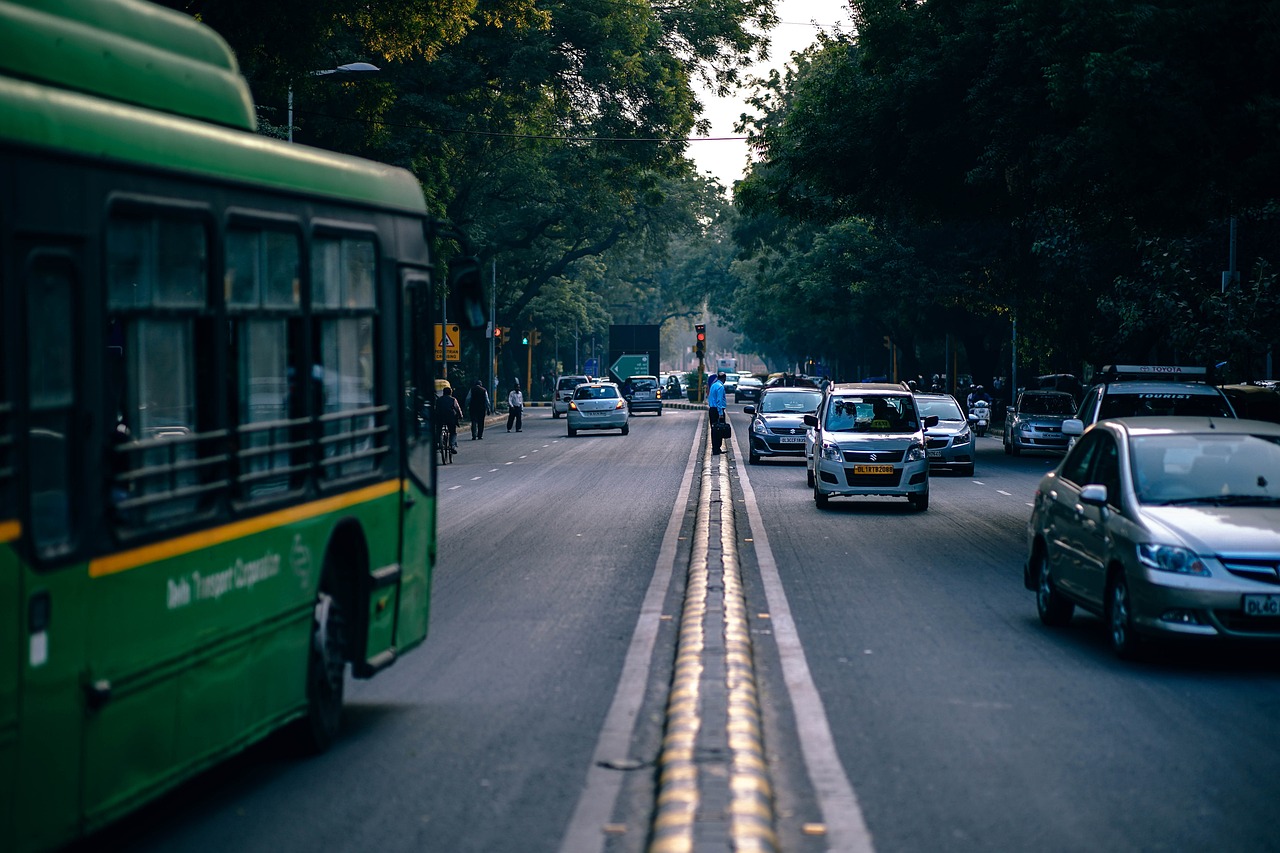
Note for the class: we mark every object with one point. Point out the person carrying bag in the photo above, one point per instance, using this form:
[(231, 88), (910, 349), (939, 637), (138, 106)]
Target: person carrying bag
[(716, 405)]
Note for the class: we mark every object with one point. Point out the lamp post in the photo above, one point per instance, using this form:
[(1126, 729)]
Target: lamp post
[(349, 68)]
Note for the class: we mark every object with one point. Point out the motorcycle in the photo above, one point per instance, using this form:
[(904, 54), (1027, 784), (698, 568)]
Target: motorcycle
[(979, 417)]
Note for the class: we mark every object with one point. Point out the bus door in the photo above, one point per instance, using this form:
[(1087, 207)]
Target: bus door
[(417, 476), (43, 578)]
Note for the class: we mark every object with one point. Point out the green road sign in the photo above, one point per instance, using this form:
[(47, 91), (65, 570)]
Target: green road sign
[(631, 365)]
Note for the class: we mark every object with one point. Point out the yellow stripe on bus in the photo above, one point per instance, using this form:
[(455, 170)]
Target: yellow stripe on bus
[(126, 560), (10, 531)]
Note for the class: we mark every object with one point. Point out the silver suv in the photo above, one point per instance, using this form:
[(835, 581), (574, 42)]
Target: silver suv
[(564, 393), (869, 440), (1133, 391)]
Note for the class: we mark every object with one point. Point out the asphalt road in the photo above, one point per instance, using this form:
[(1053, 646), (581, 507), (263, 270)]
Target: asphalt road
[(954, 718)]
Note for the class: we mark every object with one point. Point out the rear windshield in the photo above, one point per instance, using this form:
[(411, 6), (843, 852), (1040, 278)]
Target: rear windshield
[(644, 384), (799, 402), (568, 383), (596, 392), (880, 413), (1163, 403)]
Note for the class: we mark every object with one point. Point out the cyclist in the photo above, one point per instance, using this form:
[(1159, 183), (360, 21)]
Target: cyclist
[(449, 413)]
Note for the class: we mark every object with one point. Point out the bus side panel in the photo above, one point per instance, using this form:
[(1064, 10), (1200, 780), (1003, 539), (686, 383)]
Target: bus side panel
[(195, 655), (11, 622), (381, 522)]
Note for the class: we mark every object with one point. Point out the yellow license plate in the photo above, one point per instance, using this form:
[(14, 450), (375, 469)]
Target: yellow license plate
[(873, 469)]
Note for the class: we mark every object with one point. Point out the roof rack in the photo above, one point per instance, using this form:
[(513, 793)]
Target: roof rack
[(1173, 373)]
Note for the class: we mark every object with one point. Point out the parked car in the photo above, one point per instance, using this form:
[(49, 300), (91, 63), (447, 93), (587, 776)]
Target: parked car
[(599, 405), (749, 389), (777, 425), (565, 386), (869, 440), (1136, 391), (1165, 527), (645, 394), (949, 445), (1034, 422)]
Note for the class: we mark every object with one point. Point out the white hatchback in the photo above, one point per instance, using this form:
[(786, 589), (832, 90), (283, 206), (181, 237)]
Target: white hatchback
[(869, 440)]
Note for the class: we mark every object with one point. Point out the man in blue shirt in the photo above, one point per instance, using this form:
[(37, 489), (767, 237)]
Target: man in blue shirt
[(716, 403)]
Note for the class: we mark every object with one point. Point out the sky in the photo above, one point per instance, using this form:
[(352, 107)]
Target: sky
[(800, 23)]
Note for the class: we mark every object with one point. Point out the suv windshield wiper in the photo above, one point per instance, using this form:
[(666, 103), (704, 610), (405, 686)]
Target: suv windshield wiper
[(1224, 500)]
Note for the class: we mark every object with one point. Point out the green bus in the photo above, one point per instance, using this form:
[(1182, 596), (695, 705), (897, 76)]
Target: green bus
[(217, 486)]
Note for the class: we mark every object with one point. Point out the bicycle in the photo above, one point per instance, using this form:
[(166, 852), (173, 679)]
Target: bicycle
[(446, 453)]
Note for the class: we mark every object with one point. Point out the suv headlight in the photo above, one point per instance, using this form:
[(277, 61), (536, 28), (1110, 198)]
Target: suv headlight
[(831, 452), (1171, 558), (915, 453)]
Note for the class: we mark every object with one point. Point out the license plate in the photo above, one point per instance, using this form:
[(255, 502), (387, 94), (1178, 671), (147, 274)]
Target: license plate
[(1261, 605), (935, 454), (873, 469), (791, 439)]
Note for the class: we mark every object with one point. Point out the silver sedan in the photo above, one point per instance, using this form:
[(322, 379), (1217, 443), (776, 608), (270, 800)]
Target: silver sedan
[(1165, 527), (599, 405)]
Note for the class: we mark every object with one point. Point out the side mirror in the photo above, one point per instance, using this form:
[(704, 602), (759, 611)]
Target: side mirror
[(1094, 494), (811, 420), (1073, 426), (749, 410), (930, 421)]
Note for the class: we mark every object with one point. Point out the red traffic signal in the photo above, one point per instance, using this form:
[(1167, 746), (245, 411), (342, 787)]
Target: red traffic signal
[(700, 349)]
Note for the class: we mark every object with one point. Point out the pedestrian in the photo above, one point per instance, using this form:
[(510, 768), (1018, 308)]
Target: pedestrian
[(716, 405), (477, 408), (449, 413), (515, 408)]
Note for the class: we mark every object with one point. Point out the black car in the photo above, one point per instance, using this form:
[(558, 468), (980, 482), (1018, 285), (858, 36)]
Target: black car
[(748, 389), (778, 428)]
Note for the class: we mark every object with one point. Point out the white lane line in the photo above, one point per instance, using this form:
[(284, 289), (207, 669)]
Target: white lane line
[(846, 828), (526, 456), (451, 488), (509, 463), (585, 833), (473, 479), (535, 450), (1003, 492), (493, 470)]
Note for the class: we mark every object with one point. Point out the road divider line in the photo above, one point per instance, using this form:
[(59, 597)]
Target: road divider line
[(595, 806), (846, 828)]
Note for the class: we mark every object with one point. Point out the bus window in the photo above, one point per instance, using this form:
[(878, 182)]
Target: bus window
[(51, 397), (156, 267), (343, 271), (262, 289)]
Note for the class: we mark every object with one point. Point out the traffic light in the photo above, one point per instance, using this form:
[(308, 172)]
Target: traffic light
[(700, 349), (499, 335), (535, 337), (525, 340)]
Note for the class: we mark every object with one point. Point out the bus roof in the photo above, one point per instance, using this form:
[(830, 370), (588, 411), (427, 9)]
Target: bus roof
[(127, 51)]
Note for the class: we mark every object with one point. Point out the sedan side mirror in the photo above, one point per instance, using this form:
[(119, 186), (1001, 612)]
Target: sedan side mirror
[(1094, 494), (811, 420), (749, 410), (930, 421), (1073, 426)]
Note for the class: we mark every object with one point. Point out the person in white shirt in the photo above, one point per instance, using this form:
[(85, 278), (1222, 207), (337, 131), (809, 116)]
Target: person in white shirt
[(515, 408)]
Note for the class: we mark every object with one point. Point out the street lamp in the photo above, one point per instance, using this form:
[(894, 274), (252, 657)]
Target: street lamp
[(349, 68)]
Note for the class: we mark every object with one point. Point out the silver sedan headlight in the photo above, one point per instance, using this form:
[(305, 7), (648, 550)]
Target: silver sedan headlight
[(962, 438), (915, 453), (831, 452), (758, 427), (1171, 558)]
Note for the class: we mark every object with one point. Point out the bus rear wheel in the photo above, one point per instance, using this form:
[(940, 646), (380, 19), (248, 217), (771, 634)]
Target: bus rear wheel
[(326, 670)]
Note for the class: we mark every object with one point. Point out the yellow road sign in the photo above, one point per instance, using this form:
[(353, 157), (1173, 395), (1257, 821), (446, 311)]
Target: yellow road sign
[(450, 338)]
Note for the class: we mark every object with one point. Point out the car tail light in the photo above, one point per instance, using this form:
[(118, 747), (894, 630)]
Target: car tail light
[(573, 405), (622, 404)]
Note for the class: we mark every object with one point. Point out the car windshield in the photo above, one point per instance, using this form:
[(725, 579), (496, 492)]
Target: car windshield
[(1206, 469), (644, 384), (878, 413), (946, 409), (749, 381), (568, 383), (1048, 404), (1163, 403), (796, 402), (596, 392)]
